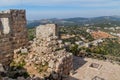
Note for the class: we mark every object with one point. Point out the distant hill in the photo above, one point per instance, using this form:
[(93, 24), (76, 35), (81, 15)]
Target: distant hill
[(79, 21)]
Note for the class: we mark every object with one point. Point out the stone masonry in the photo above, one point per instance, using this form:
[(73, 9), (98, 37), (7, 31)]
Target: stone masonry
[(13, 33), (47, 50), (45, 31), (47, 55)]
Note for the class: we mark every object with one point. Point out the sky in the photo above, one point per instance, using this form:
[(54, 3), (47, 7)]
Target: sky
[(44, 9)]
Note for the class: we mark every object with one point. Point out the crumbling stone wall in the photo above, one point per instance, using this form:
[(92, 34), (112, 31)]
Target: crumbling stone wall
[(47, 48), (13, 33), (65, 65), (45, 31)]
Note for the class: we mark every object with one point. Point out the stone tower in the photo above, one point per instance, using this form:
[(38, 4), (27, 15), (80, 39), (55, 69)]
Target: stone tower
[(13, 33), (45, 31)]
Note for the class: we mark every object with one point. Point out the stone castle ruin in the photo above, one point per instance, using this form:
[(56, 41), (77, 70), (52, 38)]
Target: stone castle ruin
[(45, 31), (47, 50), (13, 33), (46, 55)]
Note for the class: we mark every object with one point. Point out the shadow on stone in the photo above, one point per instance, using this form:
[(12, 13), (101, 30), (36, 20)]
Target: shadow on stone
[(72, 78), (15, 72), (78, 62)]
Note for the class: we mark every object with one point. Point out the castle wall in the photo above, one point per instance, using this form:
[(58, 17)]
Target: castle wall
[(13, 33), (65, 65), (44, 31), (49, 48)]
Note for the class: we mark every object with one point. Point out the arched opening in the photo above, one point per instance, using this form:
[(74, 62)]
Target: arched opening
[(4, 25)]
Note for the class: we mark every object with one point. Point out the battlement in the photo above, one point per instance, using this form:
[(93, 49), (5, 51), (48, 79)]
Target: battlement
[(12, 10)]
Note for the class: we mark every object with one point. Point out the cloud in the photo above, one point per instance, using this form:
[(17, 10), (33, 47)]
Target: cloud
[(35, 14), (4, 3), (74, 3), (64, 8), (83, 3)]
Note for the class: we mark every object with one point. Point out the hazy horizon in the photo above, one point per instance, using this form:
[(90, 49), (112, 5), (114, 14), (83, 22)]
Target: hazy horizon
[(75, 17), (63, 8)]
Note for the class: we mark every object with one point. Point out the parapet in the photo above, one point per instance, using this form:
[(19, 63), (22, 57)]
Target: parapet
[(12, 10)]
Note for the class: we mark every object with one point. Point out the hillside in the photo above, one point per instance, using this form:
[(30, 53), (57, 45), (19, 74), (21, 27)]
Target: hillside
[(103, 21)]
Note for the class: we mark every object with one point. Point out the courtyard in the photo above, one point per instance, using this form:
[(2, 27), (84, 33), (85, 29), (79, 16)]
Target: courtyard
[(92, 69)]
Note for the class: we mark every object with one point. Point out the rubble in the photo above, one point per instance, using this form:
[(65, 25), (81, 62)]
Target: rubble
[(24, 50), (49, 53), (46, 55), (1, 68)]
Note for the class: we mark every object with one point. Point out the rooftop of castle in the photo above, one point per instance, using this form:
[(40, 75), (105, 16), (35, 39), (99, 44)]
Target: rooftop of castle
[(8, 11)]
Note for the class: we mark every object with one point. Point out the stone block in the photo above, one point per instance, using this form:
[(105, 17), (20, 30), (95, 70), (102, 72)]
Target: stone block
[(1, 68), (25, 50)]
